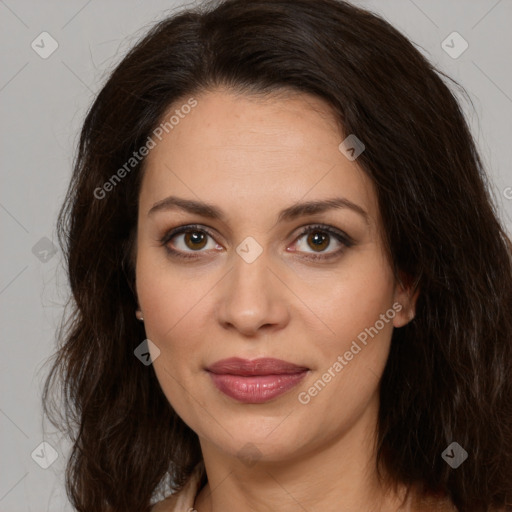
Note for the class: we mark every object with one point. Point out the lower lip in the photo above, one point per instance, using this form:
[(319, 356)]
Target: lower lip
[(256, 389)]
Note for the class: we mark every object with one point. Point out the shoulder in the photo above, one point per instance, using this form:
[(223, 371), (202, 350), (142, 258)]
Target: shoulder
[(183, 500), (440, 504), (434, 504), (419, 501)]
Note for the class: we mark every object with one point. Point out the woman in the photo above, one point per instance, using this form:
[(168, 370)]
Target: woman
[(291, 288)]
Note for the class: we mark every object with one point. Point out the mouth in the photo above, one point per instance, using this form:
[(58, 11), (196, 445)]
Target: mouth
[(256, 381)]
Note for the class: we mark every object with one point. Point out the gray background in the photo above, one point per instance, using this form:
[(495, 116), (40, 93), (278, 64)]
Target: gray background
[(43, 102)]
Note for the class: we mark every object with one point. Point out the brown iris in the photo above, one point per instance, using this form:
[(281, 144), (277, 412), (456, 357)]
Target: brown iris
[(195, 237), (319, 241)]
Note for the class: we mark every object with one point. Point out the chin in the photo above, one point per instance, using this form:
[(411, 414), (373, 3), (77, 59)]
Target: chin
[(251, 443)]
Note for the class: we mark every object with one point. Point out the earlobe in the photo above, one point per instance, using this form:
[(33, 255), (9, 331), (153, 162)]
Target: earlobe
[(407, 296), (403, 317)]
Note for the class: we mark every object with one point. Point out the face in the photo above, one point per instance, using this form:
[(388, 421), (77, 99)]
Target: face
[(258, 275)]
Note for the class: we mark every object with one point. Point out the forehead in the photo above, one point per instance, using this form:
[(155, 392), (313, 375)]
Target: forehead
[(253, 152)]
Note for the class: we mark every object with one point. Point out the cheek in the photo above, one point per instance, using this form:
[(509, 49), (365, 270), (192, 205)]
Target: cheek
[(173, 312), (352, 359), (348, 303), (169, 297), (175, 305)]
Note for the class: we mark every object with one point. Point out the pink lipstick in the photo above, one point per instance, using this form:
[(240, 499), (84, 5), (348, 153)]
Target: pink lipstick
[(256, 381)]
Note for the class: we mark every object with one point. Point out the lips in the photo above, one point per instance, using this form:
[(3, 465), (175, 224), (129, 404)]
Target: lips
[(256, 381), (262, 366)]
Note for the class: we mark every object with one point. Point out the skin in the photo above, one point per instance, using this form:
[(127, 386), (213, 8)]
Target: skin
[(252, 157)]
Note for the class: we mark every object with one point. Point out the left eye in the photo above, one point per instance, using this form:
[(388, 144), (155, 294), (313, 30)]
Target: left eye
[(195, 238), (320, 237)]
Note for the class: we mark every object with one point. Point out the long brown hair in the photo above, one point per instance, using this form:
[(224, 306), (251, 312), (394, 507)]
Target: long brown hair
[(448, 377)]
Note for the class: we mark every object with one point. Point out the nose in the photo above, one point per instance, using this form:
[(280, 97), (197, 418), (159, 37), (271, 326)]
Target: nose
[(253, 298)]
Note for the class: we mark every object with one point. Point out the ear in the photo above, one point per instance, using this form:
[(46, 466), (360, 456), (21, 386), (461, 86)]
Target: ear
[(406, 294)]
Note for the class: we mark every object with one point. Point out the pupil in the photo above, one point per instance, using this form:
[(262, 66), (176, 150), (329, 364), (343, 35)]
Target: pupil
[(319, 240), (195, 237)]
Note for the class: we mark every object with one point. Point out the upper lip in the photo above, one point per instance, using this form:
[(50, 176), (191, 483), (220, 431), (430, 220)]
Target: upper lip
[(262, 366)]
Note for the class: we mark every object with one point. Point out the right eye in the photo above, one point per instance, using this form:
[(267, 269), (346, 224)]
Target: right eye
[(191, 238)]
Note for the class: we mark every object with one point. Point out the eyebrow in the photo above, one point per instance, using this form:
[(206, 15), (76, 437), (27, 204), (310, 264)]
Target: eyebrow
[(288, 214)]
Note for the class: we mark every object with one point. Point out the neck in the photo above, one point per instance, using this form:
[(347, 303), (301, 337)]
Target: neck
[(336, 473)]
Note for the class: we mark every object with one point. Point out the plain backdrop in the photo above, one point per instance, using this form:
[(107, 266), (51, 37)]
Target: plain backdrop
[(43, 102)]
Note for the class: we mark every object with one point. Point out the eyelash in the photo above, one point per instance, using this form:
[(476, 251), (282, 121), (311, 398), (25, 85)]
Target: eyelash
[(338, 235)]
